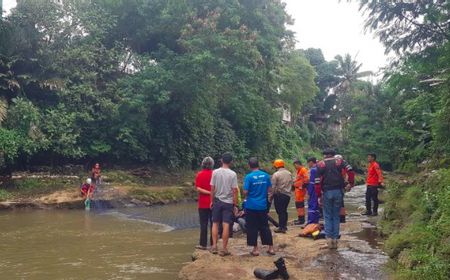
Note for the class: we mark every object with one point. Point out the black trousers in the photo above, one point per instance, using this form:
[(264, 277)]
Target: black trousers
[(205, 220), (257, 223), (281, 202), (372, 195)]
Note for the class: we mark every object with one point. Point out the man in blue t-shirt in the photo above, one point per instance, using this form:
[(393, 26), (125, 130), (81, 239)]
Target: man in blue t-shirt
[(257, 188)]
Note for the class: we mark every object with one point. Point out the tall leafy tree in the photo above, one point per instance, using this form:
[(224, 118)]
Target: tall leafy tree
[(408, 26), (150, 81)]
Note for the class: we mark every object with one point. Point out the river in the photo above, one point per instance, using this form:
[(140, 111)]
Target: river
[(72, 244), (130, 243)]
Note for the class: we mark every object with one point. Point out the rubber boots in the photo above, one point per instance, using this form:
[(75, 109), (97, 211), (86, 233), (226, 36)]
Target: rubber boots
[(280, 272), (281, 266), (266, 274), (300, 221)]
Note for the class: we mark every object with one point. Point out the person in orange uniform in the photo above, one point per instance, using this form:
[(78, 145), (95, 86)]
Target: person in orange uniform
[(300, 184), (374, 181)]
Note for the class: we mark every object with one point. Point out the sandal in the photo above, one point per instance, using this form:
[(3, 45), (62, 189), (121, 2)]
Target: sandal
[(254, 254), (272, 253), (214, 250), (224, 253), (200, 247)]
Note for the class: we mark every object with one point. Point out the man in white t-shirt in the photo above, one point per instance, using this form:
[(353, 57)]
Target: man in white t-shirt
[(224, 192)]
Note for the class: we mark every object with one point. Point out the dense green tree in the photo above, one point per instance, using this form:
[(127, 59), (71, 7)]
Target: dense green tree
[(414, 109), (406, 120), (297, 78), (409, 26), (150, 81)]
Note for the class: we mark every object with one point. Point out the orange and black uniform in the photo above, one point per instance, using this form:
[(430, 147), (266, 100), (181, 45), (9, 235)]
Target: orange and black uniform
[(301, 185), (373, 182)]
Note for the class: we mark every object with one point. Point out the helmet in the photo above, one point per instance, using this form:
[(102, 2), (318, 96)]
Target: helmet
[(278, 163), (339, 157), (88, 181)]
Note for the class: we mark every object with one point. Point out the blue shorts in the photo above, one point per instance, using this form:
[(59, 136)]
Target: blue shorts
[(222, 212)]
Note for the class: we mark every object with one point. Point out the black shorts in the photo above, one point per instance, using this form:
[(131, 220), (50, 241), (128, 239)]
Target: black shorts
[(222, 212)]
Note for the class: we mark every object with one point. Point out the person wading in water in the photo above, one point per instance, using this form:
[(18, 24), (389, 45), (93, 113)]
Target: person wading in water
[(96, 174)]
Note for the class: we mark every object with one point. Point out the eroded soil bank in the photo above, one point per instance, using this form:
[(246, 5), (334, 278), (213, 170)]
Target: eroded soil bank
[(119, 189)]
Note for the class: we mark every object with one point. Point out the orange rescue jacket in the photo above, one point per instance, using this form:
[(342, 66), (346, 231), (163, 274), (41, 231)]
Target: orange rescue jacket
[(374, 174), (302, 179)]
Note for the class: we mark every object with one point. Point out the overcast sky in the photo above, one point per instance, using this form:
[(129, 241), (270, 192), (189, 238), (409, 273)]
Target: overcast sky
[(335, 27)]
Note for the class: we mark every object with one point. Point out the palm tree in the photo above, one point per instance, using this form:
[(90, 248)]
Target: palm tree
[(349, 73)]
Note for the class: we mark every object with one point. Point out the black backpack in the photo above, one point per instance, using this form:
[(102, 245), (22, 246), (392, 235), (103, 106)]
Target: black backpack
[(331, 175)]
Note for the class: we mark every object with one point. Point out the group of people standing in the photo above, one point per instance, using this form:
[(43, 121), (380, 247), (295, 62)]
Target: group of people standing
[(322, 186)]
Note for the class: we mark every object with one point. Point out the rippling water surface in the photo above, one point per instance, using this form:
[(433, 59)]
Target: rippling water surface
[(63, 244), (140, 243)]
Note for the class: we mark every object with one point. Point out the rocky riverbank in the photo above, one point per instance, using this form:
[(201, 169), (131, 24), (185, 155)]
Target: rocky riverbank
[(358, 256), (120, 189), (110, 198)]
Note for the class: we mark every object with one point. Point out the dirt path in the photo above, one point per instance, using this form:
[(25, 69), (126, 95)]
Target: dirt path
[(358, 256)]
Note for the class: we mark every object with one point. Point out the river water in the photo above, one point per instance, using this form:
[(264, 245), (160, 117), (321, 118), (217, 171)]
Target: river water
[(71, 244), (130, 243)]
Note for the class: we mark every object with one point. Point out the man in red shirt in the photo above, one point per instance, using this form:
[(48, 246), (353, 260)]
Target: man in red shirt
[(87, 189), (203, 187), (374, 181)]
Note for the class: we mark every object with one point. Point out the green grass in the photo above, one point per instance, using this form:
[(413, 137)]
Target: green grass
[(5, 195), (31, 187), (142, 181), (162, 195), (149, 177), (417, 223)]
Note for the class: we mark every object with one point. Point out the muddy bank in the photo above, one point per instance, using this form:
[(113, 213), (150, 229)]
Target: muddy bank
[(121, 188), (358, 256), (106, 197)]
